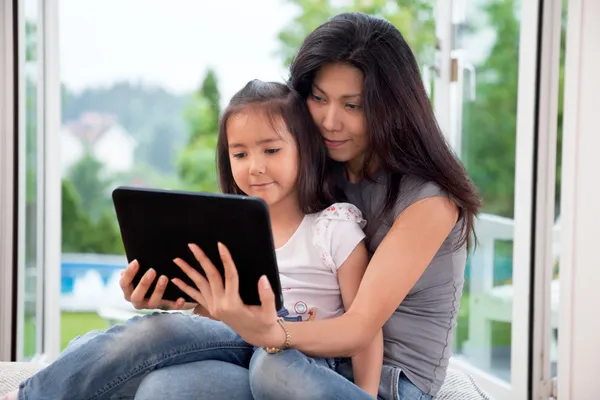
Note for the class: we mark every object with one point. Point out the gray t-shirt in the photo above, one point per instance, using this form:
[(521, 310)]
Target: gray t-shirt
[(418, 335)]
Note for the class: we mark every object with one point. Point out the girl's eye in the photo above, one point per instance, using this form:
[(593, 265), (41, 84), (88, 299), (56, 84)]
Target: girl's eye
[(316, 97), (272, 151), (239, 155), (352, 106)]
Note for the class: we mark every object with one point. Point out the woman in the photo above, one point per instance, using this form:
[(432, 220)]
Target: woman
[(362, 84)]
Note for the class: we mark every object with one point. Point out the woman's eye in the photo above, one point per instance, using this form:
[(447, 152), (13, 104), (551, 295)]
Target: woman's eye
[(316, 97), (352, 106), (272, 151)]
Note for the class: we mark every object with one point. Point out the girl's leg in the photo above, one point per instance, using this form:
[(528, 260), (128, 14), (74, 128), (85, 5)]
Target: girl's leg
[(197, 380), (291, 375), (112, 363)]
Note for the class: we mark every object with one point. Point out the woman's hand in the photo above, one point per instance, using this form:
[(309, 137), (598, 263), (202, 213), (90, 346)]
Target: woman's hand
[(137, 295), (257, 325)]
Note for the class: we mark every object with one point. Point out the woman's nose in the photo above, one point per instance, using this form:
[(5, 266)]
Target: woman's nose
[(331, 120)]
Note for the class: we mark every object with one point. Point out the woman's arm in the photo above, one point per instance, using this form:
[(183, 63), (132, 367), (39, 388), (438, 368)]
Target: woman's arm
[(401, 258), (367, 363)]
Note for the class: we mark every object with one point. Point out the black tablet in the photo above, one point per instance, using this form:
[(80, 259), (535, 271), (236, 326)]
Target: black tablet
[(157, 225)]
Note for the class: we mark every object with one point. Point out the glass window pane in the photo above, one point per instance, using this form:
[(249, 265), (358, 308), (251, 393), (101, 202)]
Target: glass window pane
[(489, 38), (32, 317)]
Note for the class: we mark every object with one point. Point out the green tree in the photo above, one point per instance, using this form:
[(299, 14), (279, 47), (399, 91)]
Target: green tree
[(92, 187), (81, 234), (196, 164), (89, 224), (414, 19), (490, 122)]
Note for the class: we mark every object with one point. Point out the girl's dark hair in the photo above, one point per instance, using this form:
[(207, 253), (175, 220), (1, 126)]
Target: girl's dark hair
[(403, 132), (280, 103)]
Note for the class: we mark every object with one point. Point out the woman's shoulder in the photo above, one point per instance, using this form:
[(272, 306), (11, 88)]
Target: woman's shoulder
[(414, 189)]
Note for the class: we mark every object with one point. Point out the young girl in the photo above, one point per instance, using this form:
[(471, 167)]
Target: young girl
[(267, 148)]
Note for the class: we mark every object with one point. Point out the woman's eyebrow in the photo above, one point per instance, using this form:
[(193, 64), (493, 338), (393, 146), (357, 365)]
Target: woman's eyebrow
[(345, 96)]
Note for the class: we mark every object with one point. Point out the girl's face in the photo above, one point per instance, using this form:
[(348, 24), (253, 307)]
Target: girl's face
[(264, 161), (336, 106)]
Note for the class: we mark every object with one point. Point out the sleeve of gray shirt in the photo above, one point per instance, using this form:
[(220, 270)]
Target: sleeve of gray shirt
[(413, 189)]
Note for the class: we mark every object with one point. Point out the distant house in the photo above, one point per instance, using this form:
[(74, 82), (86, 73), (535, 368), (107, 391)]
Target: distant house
[(108, 141)]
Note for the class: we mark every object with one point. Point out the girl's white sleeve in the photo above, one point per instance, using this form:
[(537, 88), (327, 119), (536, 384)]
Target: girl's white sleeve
[(337, 231)]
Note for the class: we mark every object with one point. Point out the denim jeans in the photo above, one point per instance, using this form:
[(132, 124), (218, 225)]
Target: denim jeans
[(167, 355)]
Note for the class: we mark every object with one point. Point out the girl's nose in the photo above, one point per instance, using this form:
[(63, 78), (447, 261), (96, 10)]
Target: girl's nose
[(257, 167)]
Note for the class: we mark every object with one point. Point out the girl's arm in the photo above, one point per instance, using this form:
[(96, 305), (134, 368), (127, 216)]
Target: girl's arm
[(367, 363), (401, 258)]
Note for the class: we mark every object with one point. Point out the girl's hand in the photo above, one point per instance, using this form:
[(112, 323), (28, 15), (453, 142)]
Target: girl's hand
[(257, 325), (137, 295)]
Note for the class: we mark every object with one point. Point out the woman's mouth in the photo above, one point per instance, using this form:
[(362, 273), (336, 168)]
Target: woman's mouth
[(334, 144)]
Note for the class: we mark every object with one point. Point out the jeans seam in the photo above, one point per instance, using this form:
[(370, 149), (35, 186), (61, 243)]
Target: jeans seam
[(163, 357), (396, 383)]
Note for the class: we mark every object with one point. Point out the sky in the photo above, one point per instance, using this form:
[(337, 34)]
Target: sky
[(171, 43)]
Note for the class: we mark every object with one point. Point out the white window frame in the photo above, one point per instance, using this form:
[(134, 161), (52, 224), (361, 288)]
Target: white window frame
[(579, 327), (7, 181)]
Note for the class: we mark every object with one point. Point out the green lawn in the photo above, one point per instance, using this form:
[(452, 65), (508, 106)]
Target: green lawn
[(76, 324), (71, 324)]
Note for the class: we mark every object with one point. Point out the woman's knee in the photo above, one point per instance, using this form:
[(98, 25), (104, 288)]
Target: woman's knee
[(201, 379)]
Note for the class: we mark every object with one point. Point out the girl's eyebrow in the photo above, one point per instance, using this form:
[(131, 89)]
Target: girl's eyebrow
[(261, 141), (345, 96)]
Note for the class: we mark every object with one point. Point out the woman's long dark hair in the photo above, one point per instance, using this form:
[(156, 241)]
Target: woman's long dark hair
[(404, 136), (278, 102)]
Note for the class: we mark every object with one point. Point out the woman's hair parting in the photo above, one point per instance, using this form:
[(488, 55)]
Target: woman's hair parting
[(404, 137), (278, 103)]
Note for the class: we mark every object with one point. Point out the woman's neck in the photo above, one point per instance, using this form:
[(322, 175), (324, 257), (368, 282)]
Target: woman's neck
[(285, 217), (355, 168)]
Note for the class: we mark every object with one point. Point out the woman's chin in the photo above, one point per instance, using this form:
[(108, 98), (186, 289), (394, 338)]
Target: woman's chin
[(338, 156)]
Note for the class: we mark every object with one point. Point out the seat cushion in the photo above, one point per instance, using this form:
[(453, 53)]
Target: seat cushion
[(460, 386), (13, 373)]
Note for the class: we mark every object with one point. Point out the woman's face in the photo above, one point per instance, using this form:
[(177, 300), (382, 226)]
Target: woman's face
[(336, 104)]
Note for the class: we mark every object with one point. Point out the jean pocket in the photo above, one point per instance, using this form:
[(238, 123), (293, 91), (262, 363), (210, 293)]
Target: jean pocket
[(388, 384), (408, 390)]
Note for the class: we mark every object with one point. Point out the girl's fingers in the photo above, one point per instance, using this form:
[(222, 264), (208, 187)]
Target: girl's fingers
[(138, 296), (126, 281), (156, 299), (232, 281)]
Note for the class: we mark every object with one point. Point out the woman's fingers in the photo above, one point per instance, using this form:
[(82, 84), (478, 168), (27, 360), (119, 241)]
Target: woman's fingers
[(267, 299), (201, 310), (212, 274), (190, 291), (232, 281), (200, 281)]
